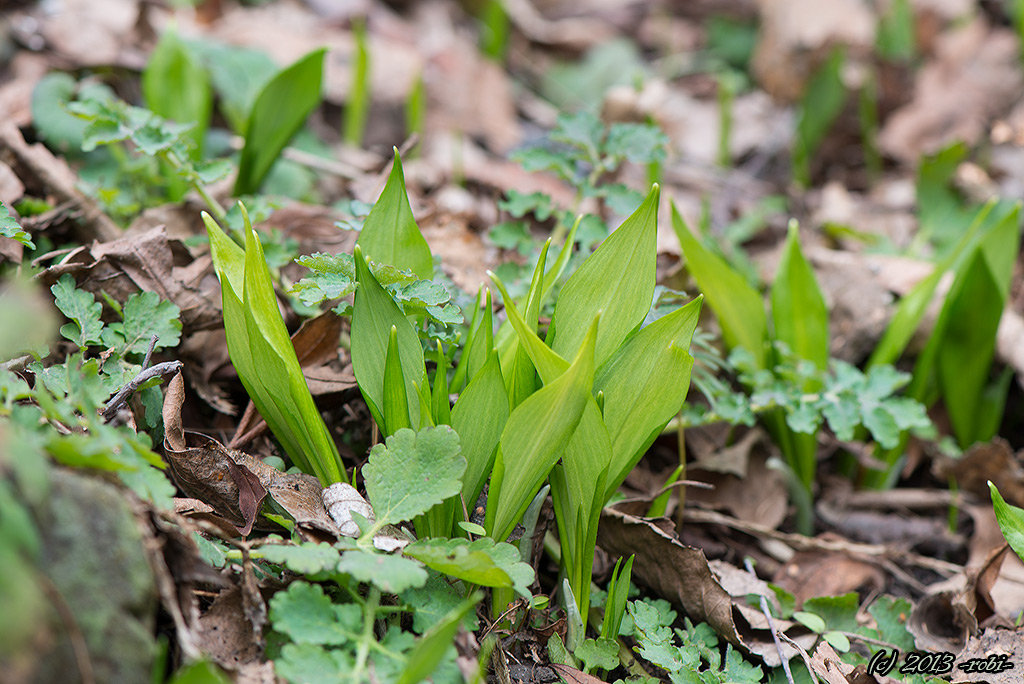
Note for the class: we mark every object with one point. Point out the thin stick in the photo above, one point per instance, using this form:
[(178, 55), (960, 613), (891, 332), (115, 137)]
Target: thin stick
[(149, 352), (125, 393), (771, 624)]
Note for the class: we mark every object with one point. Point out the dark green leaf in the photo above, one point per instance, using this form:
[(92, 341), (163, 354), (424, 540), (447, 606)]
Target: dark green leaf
[(482, 561)]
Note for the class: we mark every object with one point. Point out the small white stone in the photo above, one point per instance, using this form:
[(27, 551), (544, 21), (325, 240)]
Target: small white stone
[(340, 499)]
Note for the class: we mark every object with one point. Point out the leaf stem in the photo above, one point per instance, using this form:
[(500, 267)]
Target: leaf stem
[(366, 638)]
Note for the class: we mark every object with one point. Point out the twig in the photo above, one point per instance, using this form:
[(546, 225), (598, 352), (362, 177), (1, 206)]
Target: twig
[(122, 396), (802, 543), (771, 624), (149, 352), (803, 654)]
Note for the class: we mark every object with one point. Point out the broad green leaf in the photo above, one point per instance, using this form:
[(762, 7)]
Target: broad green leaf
[(533, 437), (306, 615), (822, 102), (10, 228), (599, 653), (176, 87), (396, 400), (738, 307), (799, 313), (274, 356), (1011, 521), (548, 363), (644, 384), (479, 417), (838, 612), (390, 234), (617, 279), (391, 574), (516, 366), (306, 559), (967, 346), (277, 115), (312, 663), (83, 310), (413, 471), (942, 211), (428, 652), (146, 315), (912, 306), (373, 316), (482, 561)]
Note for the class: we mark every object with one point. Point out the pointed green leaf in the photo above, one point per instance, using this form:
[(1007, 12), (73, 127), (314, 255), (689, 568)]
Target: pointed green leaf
[(374, 314), (737, 306), (277, 115), (533, 438), (396, 400), (1011, 521), (548, 363), (644, 385), (618, 279), (799, 313), (516, 366), (479, 417), (390, 234), (441, 407)]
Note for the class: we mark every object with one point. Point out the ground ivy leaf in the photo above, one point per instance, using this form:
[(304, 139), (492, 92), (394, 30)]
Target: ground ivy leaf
[(599, 653), (519, 204), (639, 143), (482, 561), (9, 227), (412, 472), (843, 417), (305, 559), (431, 602), (83, 310), (582, 129), (307, 616), (891, 616), (882, 427), (144, 316), (392, 574), (312, 663), (739, 670)]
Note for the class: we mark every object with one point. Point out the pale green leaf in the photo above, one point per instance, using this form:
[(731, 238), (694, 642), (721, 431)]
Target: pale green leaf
[(533, 437), (391, 574), (799, 313), (175, 86), (482, 561), (617, 279), (390, 234), (306, 559), (374, 314), (1011, 521), (306, 615), (83, 310), (479, 417), (412, 472), (738, 307)]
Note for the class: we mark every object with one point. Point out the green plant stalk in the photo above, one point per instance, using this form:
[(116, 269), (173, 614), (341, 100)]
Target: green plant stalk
[(358, 106), (726, 97), (366, 638)]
